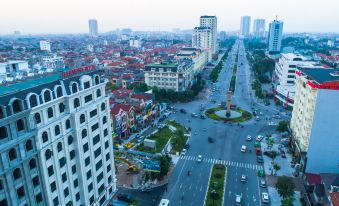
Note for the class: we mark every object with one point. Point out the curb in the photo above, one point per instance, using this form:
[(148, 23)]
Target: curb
[(223, 197), (208, 185)]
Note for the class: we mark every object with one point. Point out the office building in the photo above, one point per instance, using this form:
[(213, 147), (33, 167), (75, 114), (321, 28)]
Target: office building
[(198, 57), (52, 62), (275, 32), (55, 141), (93, 27), (314, 120), (259, 28), (245, 24), (202, 39), (12, 70), (176, 76), (211, 22), (45, 46), (285, 76), (135, 42)]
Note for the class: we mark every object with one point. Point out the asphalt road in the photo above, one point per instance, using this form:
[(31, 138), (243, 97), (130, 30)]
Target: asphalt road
[(228, 141)]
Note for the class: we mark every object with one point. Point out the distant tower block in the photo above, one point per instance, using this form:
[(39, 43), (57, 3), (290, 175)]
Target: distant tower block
[(228, 101)]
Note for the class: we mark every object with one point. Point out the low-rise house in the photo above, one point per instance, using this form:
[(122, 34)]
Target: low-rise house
[(123, 119)]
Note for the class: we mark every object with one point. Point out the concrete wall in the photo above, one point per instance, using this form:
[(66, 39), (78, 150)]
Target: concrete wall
[(323, 152)]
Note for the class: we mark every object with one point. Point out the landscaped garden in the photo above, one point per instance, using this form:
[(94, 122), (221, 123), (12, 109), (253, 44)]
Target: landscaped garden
[(212, 113), (216, 186)]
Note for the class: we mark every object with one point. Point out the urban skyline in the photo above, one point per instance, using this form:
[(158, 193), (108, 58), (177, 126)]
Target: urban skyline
[(113, 17)]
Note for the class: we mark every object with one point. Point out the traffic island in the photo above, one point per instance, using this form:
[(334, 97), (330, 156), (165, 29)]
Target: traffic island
[(216, 186), (237, 115)]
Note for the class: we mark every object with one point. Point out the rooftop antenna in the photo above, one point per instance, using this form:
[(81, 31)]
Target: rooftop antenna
[(276, 17)]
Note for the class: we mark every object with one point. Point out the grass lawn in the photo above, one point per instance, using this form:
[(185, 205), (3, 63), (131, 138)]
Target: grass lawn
[(216, 183), (245, 115)]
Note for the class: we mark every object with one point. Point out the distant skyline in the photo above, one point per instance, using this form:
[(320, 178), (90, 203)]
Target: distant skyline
[(71, 16)]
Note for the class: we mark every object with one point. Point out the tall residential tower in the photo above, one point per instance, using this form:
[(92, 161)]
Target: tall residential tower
[(93, 27), (245, 26), (211, 22), (259, 28), (275, 36)]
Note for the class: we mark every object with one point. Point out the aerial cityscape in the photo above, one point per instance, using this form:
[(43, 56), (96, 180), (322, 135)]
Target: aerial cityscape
[(158, 103)]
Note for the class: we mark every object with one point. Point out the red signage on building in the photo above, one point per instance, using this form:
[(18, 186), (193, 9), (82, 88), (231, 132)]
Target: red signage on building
[(76, 71)]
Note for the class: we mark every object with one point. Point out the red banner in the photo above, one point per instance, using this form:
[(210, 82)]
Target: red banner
[(76, 71)]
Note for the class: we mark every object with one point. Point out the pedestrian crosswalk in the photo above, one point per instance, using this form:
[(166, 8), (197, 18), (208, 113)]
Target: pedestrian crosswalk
[(224, 162)]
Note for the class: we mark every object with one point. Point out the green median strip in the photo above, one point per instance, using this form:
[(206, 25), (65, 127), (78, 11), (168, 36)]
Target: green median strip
[(216, 186)]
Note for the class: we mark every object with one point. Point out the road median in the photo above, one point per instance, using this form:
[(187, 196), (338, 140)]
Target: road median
[(216, 186)]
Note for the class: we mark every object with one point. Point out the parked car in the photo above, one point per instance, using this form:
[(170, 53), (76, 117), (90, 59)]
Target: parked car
[(260, 159), (199, 158), (125, 197), (248, 137), (262, 183), (261, 173), (259, 138), (264, 197), (257, 151)]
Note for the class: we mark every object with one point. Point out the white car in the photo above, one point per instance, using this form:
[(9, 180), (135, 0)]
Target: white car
[(199, 158), (243, 148), (249, 138), (183, 152), (238, 200), (259, 138), (264, 197), (243, 178)]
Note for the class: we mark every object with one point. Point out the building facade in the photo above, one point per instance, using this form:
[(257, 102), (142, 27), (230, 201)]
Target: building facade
[(56, 142), (93, 27), (45, 46), (202, 39), (275, 32), (198, 57), (259, 28), (135, 42), (52, 62), (177, 77), (245, 24), (11, 70), (212, 23), (314, 117)]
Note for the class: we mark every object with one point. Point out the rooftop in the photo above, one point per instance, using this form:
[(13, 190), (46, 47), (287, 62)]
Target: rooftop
[(293, 57), (163, 65), (206, 16), (335, 198), (322, 75)]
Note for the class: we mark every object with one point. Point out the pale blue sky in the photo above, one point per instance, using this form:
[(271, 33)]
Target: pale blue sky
[(71, 16)]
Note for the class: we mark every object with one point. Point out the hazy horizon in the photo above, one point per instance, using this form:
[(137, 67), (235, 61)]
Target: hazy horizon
[(60, 17)]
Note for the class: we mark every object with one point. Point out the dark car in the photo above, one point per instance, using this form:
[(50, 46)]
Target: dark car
[(183, 111), (125, 197), (202, 117), (187, 146), (260, 159), (210, 140)]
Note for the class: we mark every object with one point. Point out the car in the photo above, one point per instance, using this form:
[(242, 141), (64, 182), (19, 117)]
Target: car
[(257, 144), (283, 155), (248, 137), (183, 111), (262, 183), (194, 115), (243, 178), (258, 151), (183, 152), (264, 197), (259, 138), (199, 158), (243, 148), (124, 197), (210, 139), (261, 173), (238, 200), (187, 146), (260, 159), (202, 116), (257, 118)]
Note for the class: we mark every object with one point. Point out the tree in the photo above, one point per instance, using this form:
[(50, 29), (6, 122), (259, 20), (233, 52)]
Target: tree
[(285, 186), (165, 163), (276, 168), (283, 126), (288, 201)]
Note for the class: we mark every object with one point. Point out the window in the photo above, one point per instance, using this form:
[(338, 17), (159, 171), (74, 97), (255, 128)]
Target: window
[(90, 187), (33, 101), (57, 130), (101, 189), (2, 114), (20, 192), (72, 154), (69, 203), (91, 200), (107, 156), (59, 92), (20, 125), (44, 137), (16, 174), (109, 179), (82, 118), (87, 161), (32, 164), (76, 103), (77, 196), (104, 120), (74, 169), (17, 106), (35, 181), (56, 201), (50, 170), (12, 154), (59, 147), (106, 144), (37, 118), (74, 88), (96, 80), (290, 76), (88, 98), (105, 132), (110, 190), (53, 186), (3, 132), (87, 85), (38, 198), (75, 183), (84, 133), (93, 113), (50, 112), (64, 177), (70, 140), (102, 200), (66, 192), (48, 154), (98, 165), (47, 96), (96, 139), (62, 162), (97, 152), (108, 168), (85, 147), (94, 127), (62, 107), (103, 107), (98, 93), (89, 174), (68, 124)]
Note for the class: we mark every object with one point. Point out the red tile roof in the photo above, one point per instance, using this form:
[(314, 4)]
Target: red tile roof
[(313, 179), (124, 107), (122, 92), (335, 198)]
